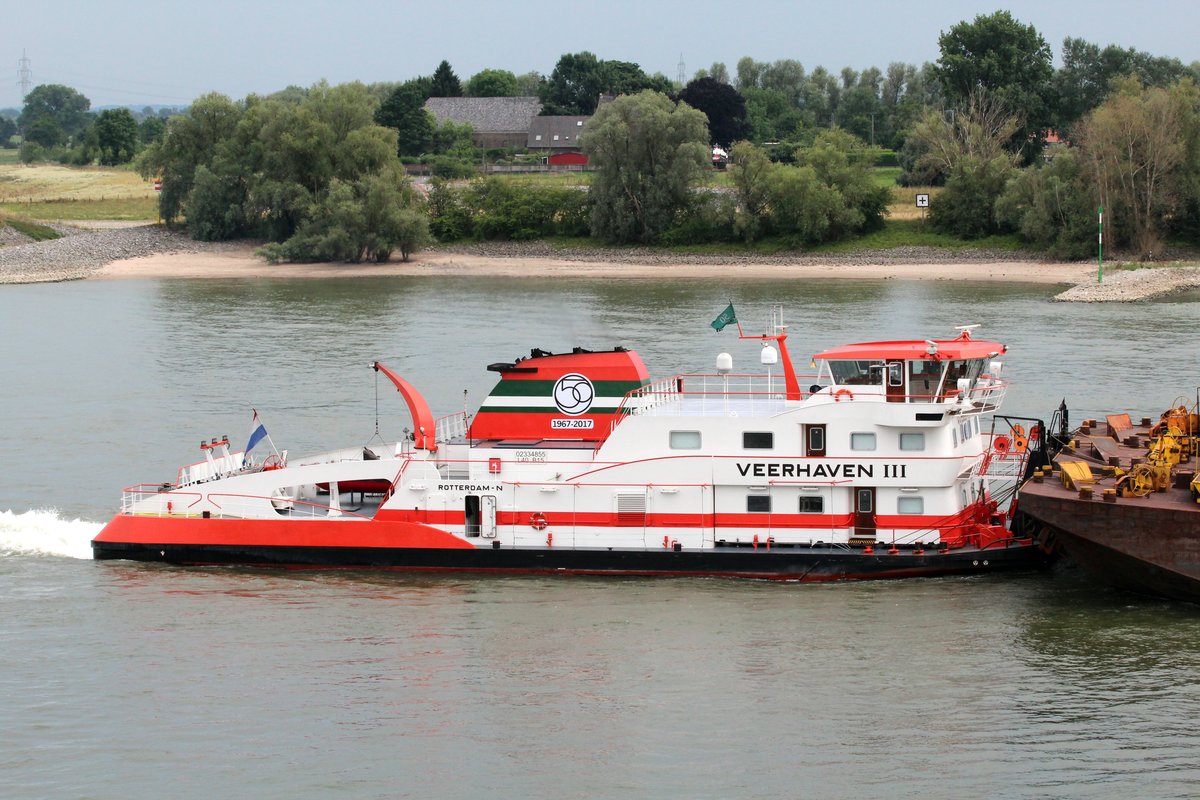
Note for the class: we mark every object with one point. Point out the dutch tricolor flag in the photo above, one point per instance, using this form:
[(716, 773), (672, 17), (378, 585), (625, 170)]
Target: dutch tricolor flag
[(258, 432)]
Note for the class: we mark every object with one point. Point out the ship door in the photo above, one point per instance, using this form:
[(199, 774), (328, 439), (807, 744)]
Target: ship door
[(895, 382), (480, 515), (487, 519), (864, 515), (814, 440)]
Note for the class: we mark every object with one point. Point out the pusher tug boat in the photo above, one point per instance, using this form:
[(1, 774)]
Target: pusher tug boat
[(888, 464)]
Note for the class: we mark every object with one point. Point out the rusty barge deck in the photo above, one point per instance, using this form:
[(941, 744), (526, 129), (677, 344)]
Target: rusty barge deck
[(1148, 544)]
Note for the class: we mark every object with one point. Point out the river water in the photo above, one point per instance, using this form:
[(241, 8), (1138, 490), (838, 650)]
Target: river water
[(126, 680)]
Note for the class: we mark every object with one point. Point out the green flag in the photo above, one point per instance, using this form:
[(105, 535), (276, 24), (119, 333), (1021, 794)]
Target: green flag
[(724, 318)]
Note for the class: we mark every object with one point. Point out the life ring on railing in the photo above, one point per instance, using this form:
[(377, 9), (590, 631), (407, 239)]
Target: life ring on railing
[(837, 396), (538, 522), (272, 462), (1001, 444)]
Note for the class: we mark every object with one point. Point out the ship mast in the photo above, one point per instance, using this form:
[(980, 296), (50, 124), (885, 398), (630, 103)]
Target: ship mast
[(779, 336)]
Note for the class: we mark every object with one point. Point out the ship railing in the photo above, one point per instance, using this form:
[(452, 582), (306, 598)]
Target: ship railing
[(708, 395), (138, 499), (985, 396), (241, 506), (452, 426), (166, 500)]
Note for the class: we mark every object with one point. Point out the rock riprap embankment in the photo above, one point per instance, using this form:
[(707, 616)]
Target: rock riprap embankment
[(78, 254), (652, 256), (1132, 285)]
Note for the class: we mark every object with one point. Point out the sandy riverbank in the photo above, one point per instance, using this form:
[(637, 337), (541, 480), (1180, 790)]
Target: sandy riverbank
[(241, 262)]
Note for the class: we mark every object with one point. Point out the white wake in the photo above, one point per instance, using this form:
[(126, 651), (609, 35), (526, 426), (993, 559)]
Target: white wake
[(43, 532)]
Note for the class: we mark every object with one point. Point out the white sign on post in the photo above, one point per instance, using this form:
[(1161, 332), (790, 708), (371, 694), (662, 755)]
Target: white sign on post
[(922, 201)]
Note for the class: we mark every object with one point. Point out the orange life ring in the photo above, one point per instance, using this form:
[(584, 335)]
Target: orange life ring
[(837, 396), (1020, 443), (1001, 444), (538, 521)]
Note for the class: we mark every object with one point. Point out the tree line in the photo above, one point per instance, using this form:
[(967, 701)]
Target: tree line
[(306, 168), (56, 124)]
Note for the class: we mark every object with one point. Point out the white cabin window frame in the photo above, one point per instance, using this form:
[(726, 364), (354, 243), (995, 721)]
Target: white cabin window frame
[(863, 441), (910, 504), (912, 441), (685, 440)]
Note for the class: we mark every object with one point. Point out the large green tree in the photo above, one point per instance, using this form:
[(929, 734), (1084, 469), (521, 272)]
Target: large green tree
[(65, 107), (578, 79), (1010, 61), (574, 86), (649, 152), (492, 83), (1088, 72), (116, 133), (191, 140), (445, 83), (309, 170), (724, 107), (1141, 149), (404, 111)]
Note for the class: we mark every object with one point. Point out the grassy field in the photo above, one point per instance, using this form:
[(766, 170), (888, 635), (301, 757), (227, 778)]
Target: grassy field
[(904, 203), (39, 233), (51, 191)]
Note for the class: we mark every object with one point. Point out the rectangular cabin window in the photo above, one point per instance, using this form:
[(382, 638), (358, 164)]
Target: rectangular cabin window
[(812, 505), (954, 437), (685, 440), (758, 503), (758, 440), (910, 505), (895, 373), (912, 441), (862, 441), (815, 440)]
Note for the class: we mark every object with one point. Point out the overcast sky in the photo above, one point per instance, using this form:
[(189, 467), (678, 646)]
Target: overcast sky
[(167, 52)]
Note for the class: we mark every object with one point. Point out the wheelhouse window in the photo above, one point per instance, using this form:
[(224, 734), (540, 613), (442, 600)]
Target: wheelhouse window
[(862, 441), (912, 441), (758, 440), (910, 505), (812, 504), (685, 440), (969, 369), (857, 373), (923, 380), (758, 503)]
